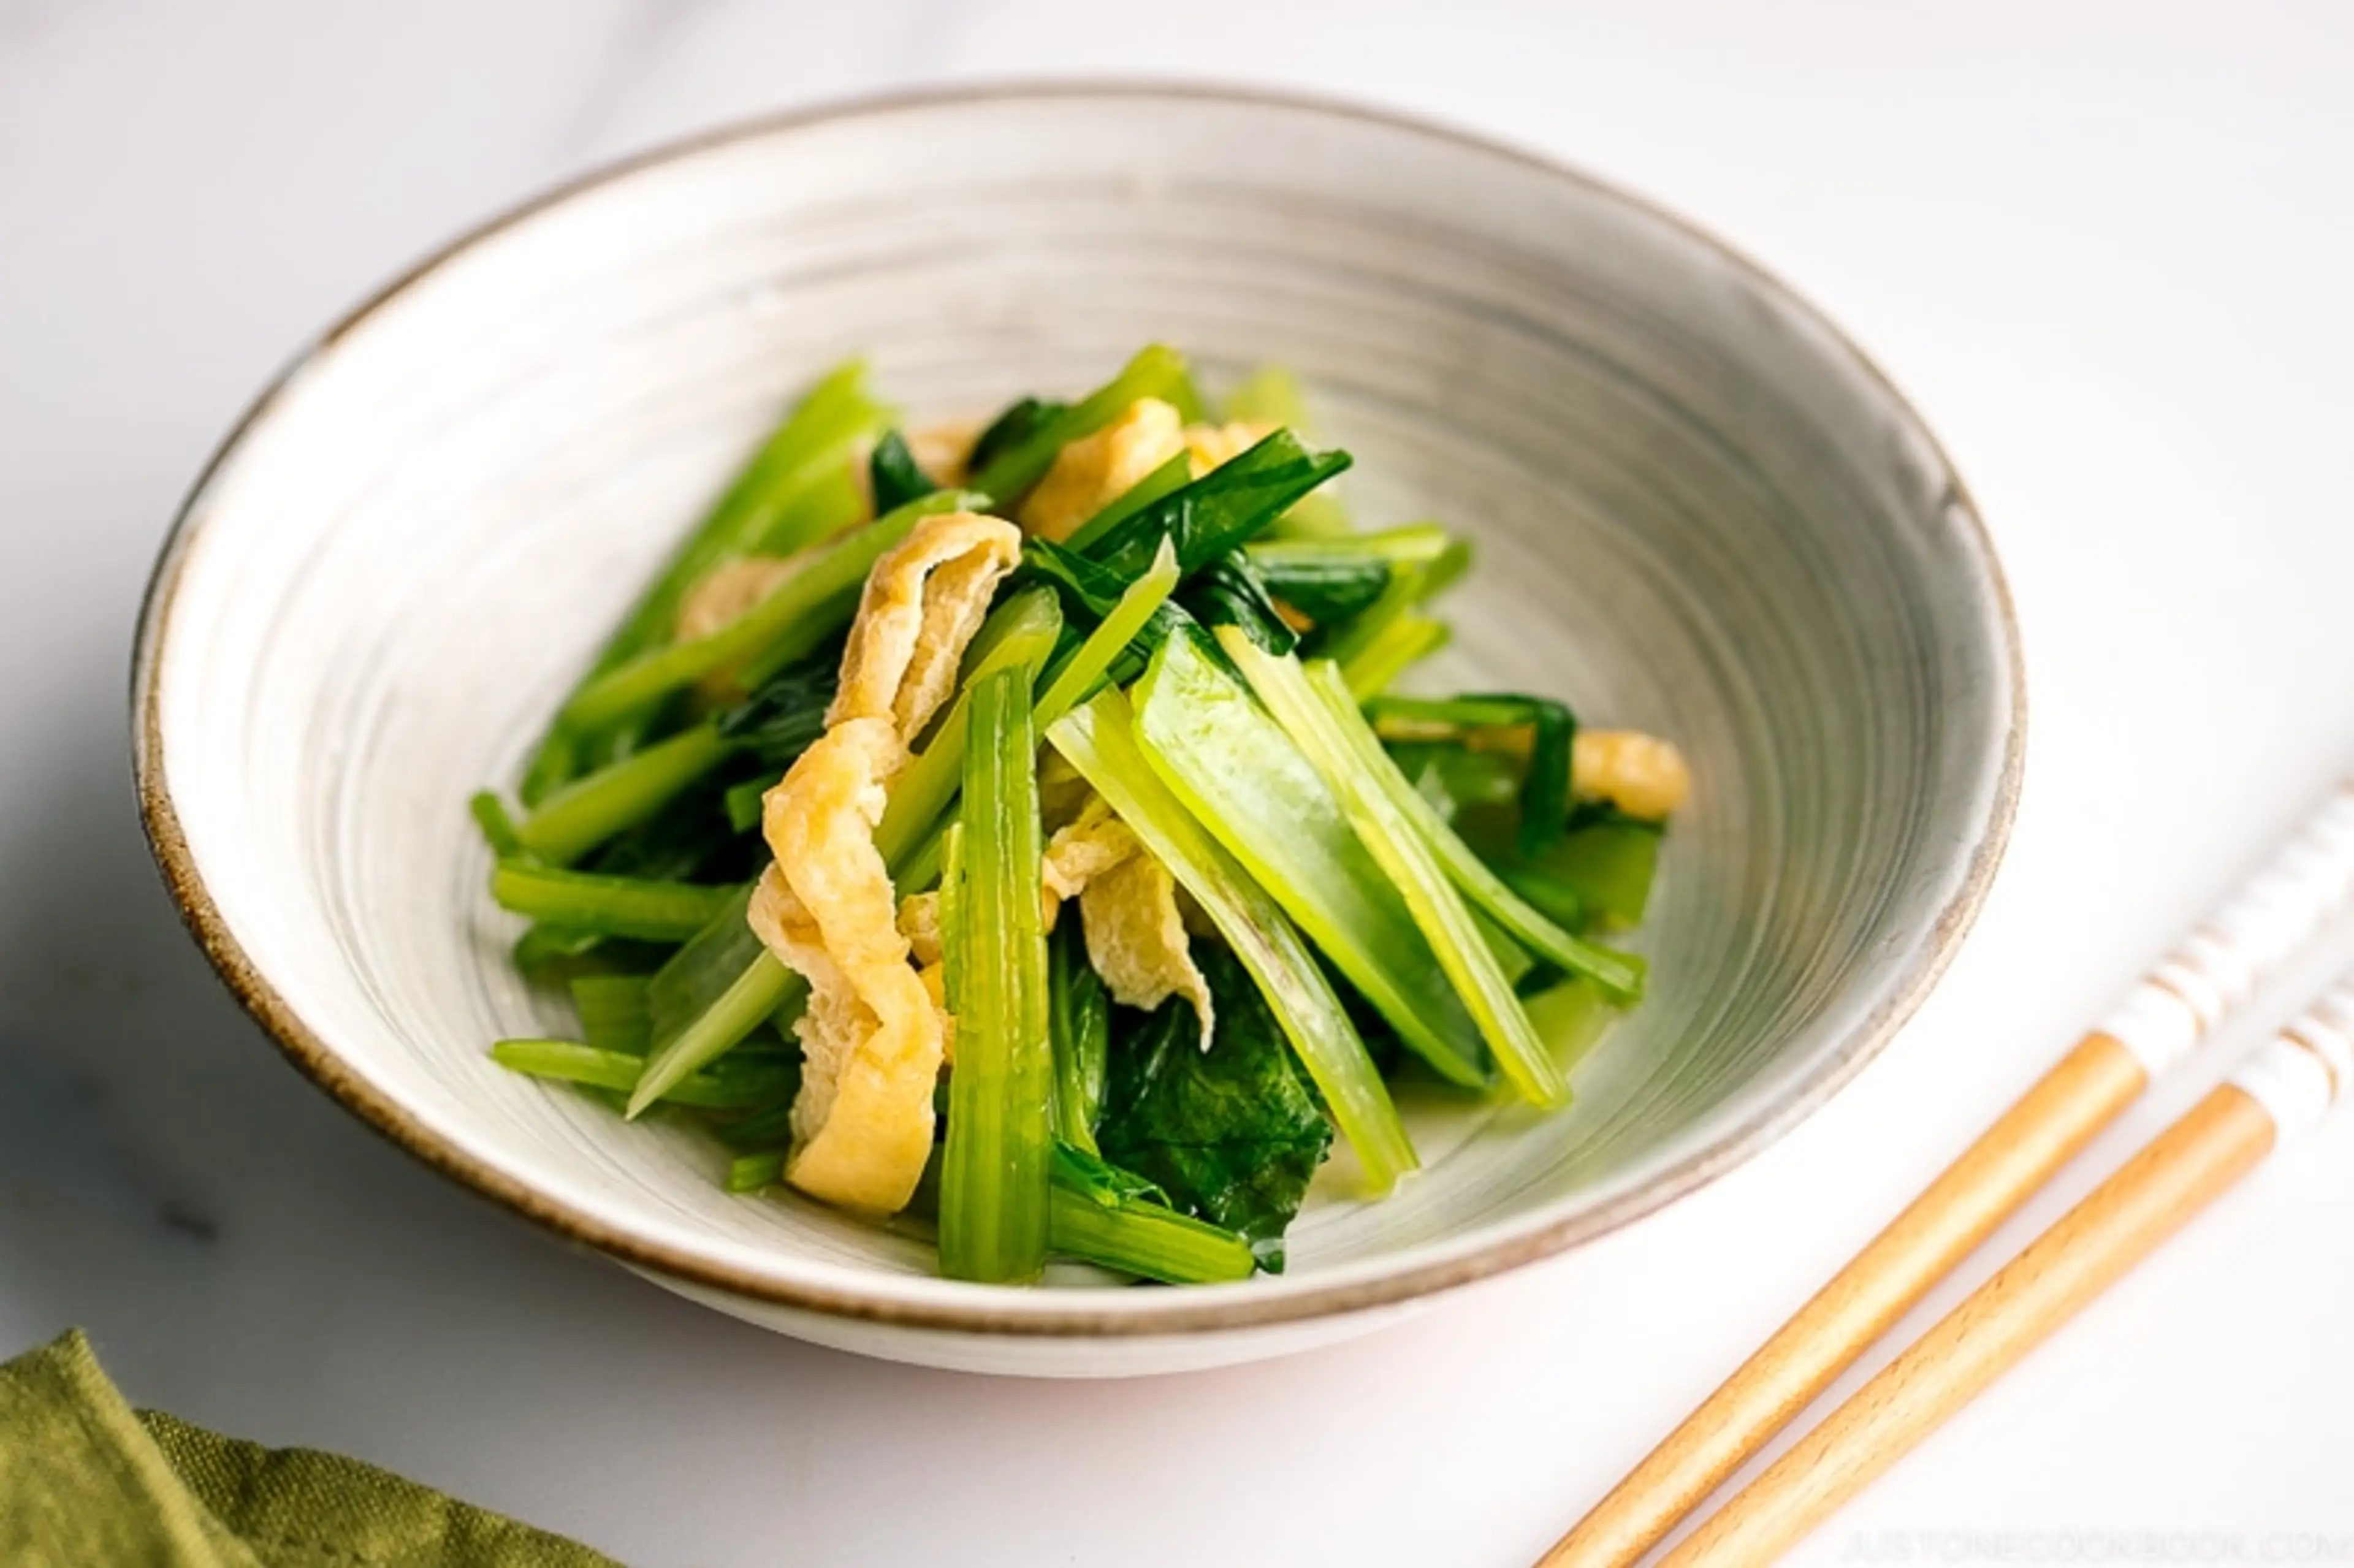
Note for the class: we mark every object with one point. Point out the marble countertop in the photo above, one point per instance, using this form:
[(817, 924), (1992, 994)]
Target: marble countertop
[(2109, 263)]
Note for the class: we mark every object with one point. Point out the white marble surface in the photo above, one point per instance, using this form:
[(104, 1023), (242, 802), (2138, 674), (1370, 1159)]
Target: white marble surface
[(2107, 250)]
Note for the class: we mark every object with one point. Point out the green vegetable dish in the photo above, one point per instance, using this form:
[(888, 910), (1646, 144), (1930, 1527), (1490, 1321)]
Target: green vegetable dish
[(1012, 834)]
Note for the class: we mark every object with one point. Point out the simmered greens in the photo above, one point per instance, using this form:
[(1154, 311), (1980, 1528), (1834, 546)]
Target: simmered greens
[(1022, 837)]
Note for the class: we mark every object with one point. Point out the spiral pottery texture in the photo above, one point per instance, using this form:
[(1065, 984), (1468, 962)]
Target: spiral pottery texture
[(1698, 512)]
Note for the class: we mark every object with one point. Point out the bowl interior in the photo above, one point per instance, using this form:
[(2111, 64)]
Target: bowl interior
[(1699, 512)]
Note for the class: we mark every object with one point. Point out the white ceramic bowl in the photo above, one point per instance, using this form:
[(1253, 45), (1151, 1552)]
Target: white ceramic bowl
[(1701, 512)]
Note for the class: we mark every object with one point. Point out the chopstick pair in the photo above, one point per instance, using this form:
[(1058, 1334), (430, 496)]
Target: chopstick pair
[(2281, 1089)]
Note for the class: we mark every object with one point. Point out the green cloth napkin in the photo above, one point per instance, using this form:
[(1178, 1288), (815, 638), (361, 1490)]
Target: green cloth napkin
[(85, 1481)]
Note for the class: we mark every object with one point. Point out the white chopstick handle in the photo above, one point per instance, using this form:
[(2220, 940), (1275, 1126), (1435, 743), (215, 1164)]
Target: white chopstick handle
[(2302, 1071), (2219, 964)]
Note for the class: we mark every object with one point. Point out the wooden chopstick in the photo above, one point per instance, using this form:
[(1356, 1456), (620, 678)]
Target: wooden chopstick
[(2278, 1093), (2160, 1021)]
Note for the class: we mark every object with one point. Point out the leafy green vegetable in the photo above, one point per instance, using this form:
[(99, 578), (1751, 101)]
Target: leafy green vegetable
[(1015, 424), (813, 441), (762, 991), (1442, 885), (796, 616), (1571, 1017), (1395, 646), (1079, 1018), (1329, 588), (894, 474), (1076, 678), (1271, 395), (613, 1015), (1219, 510), (1099, 740), (1459, 782), (588, 811), (951, 914), (1147, 1240), (1552, 729), (1089, 1175), (786, 713), (1231, 1134), (498, 827), (1385, 639), (1013, 464), (1169, 478), (1020, 633), (1384, 819), (1228, 592), (744, 802), (711, 993), (830, 502), (1332, 580), (689, 839), (994, 1185), (1088, 588), (769, 1128), (751, 1172), (1104, 1216), (1620, 974), (546, 952), (723, 1086), (609, 905), (1245, 780), (1607, 861)]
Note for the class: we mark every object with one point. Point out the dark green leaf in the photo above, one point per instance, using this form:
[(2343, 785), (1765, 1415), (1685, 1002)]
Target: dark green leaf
[(787, 712), (1552, 731), (894, 476), (691, 839), (1020, 421), (683, 988), (1327, 589), (1219, 510), (1232, 1134), (1079, 1016), (1096, 1179), (1228, 592)]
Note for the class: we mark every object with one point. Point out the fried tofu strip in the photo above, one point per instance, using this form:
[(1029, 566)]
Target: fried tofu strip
[(1095, 470), (1128, 911), (874, 1033)]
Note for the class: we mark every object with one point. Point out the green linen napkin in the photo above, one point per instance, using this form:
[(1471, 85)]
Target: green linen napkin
[(87, 1481)]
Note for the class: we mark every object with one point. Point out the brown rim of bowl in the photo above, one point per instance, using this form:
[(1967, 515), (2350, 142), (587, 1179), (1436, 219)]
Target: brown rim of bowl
[(1195, 1310)]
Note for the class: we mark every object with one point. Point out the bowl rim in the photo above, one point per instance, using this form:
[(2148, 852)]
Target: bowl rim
[(980, 1309)]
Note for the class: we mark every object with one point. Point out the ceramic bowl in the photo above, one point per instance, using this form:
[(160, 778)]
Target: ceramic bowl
[(1700, 512)]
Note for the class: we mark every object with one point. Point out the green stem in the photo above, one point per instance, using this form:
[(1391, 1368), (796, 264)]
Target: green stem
[(1146, 1240), (799, 614), (1410, 863), (1098, 739), (994, 1183), (763, 988), (751, 1172), (730, 1088), (1156, 372), (1175, 474), (588, 811), (609, 905), (1079, 675), (1080, 1023), (1250, 783), (1021, 631), (1619, 974), (755, 512)]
